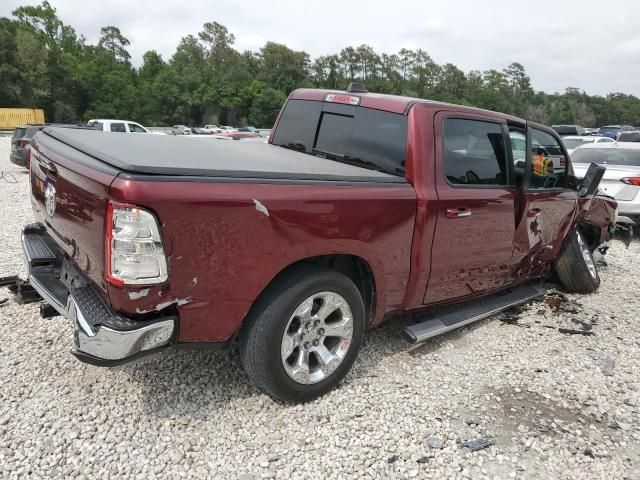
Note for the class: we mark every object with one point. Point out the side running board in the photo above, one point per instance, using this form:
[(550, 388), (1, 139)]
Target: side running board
[(432, 324)]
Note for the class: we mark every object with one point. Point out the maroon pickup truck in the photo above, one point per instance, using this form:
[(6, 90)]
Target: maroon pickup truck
[(361, 207)]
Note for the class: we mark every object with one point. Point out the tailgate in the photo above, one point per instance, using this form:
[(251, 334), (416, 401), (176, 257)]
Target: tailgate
[(69, 197)]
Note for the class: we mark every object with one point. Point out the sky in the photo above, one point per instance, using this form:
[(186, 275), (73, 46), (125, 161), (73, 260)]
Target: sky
[(587, 44)]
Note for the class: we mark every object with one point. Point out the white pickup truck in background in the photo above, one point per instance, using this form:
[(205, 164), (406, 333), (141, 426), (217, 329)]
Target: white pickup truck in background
[(120, 126)]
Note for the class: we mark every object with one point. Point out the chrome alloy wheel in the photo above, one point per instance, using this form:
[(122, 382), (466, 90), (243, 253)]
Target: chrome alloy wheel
[(317, 338), (586, 255)]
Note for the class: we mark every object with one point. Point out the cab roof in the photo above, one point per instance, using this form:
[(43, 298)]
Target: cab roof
[(393, 103)]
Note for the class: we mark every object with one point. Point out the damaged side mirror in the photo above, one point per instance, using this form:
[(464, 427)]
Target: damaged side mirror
[(589, 185)]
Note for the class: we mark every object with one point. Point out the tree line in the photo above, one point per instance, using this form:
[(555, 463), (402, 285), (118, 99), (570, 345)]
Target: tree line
[(46, 63)]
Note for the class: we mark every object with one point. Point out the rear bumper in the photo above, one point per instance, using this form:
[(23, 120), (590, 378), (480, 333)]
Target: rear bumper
[(101, 335), (629, 209), (18, 159)]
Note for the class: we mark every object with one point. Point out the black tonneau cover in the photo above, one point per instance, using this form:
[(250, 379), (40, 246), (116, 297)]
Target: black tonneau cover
[(211, 157)]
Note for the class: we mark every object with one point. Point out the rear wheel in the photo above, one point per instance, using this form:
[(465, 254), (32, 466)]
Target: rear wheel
[(303, 334), (575, 266)]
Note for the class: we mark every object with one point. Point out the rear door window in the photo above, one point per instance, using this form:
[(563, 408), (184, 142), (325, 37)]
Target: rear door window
[(362, 136), (474, 152), (118, 127)]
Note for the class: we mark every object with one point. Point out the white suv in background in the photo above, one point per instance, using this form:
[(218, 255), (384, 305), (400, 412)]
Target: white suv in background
[(120, 126)]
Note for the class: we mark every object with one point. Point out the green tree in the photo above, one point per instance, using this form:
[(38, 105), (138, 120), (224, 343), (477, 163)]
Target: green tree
[(282, 68), (113, 41), (11, 85)]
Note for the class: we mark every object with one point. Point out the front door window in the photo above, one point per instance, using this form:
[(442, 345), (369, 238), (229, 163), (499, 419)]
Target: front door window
[(548, 164)]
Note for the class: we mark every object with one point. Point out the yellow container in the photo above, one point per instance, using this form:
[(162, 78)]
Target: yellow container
[(15, 117)]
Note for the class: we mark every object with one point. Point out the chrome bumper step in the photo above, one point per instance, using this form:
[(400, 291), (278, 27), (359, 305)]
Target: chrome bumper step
[(101, 335), (449, 318)]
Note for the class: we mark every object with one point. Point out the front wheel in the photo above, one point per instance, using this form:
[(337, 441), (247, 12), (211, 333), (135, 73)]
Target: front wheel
[(303, 335), (575, 266)]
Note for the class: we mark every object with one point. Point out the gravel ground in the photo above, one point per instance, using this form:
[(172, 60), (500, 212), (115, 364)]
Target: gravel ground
[(554, 405)]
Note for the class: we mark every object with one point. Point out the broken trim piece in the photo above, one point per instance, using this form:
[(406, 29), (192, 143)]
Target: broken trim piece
[(260, 207)]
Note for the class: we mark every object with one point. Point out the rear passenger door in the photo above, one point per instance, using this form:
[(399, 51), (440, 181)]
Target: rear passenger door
[(475, 224)]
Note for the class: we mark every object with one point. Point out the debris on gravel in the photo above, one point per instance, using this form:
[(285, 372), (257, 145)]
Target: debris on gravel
[(477, 444), (435, 442), (607, 368), (541, 397)]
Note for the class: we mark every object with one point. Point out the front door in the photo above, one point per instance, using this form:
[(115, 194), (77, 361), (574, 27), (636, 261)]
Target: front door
[(475, 225), (548, 204)]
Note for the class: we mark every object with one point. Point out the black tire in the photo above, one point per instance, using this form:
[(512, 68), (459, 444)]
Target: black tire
[(262, 333), (573, 269)]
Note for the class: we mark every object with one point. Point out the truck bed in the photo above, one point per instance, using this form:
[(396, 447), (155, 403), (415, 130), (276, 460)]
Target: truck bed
[(209, 157)]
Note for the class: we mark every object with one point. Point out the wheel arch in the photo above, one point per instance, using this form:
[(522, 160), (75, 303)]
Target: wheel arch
[(352, 266), (590, 232)]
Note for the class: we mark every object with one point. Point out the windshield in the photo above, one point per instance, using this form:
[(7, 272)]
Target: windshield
[(356, 135), (576, 142), (610, 156), (629, 137), (613, 130), (565, 129)]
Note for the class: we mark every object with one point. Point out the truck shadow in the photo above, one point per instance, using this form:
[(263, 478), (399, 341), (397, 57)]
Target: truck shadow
[(194, 384)]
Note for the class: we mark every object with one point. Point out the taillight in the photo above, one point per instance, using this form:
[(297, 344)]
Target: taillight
[(134, 251), (23, 143), (631, 181)]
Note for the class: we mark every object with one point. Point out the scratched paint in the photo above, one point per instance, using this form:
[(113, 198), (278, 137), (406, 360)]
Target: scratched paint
[(179, 302), (136, 295), (260, 207)]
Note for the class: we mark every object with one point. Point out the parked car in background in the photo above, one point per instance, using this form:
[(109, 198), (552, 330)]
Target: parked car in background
[(614, 130), (248, 129), (629, 136), (238, 136), (181, 130), (200, 131), (119, 126), (622, 177), (564, 130), (590, 131), (227, 128), (213, 128), (21, 142), (364, 207), (574, 141)]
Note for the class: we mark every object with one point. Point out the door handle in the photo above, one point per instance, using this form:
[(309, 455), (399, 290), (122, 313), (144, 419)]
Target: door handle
[(533, 212), (457, 212)]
